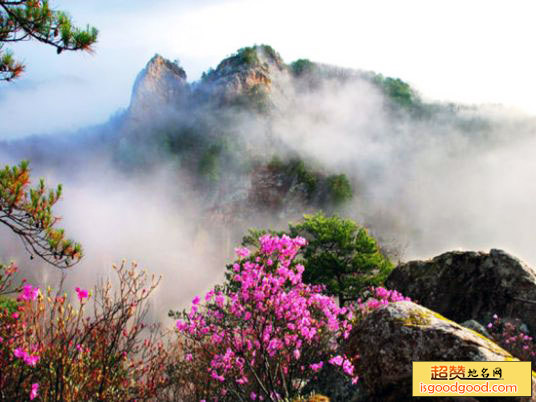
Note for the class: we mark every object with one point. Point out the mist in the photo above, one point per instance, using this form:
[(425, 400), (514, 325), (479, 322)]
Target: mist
[(462, 178)]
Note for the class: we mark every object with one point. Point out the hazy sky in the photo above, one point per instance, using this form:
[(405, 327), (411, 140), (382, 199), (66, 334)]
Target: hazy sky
[(465, 51)]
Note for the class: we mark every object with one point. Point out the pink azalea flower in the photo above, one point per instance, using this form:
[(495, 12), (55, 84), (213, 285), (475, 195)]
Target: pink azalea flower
[(82, 293), (242, 251), (20, 353), (316, 366), (336, 361), (278, 313), (34, 391), (29, 293), (31, 360)]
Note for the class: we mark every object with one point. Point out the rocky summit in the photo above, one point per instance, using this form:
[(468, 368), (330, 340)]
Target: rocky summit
[(161, 84)]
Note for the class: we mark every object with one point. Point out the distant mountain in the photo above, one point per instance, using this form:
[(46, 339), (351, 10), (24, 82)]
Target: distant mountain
[(261, 140)]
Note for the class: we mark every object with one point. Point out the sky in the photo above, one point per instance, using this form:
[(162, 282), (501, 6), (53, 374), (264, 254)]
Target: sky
[(462, 51)]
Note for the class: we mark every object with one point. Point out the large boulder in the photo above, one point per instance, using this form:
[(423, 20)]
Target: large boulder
[(471, 285), (403, 332)]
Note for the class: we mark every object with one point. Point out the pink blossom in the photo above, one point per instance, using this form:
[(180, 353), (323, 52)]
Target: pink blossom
[(82, 293), (336, 361), (316, 366), (242, 251), (348, 368), (20, 353), (268, 309), (34, 391), (31, 360), (29, 293)]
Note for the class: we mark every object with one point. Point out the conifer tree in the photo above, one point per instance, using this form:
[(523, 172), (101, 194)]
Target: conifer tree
[(28, 213), (340, 254), (22, 20)]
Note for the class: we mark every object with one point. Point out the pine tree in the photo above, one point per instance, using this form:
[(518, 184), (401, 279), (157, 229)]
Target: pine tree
[(22, 20), (28, 213), (341, 255)]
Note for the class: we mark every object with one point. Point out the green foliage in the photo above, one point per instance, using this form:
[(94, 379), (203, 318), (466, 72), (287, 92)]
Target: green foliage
[(8, 305), (302, 66), (247, 55), (209, 164), (295, 168), (207, 74), (306, 176), (256, 98), (27, 212), (339, 189), (341, 255), (396, 89), (35, 20), (324, 191)]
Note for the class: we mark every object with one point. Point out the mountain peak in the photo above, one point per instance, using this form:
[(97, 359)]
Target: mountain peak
[(162, 83), (248, 72)]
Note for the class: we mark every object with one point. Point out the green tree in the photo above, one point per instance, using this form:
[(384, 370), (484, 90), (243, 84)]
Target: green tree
[(28, 213), (340, 189), (22, 20), (302, 66), (341, 255)]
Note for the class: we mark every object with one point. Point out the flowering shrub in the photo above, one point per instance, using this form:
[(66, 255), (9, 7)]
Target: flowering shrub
[(10, 331), (189, 378), (376, 298), (265, 333), (509, 336), (91, 350)]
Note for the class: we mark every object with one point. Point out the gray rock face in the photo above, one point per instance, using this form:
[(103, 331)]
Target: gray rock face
[(162, 84), (403, 332), (471, 285)]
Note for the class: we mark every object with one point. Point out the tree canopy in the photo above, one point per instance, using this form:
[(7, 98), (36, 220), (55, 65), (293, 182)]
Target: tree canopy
[(22, 20)]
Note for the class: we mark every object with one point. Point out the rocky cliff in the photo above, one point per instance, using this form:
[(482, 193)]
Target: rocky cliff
[(160, 85)]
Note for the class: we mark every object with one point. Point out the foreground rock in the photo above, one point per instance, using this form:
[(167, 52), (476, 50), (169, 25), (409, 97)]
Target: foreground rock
[(403, 332), (471, 285)]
